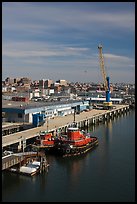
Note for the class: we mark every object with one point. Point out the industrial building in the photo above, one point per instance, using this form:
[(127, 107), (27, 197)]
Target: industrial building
[(24, 112), (100, 100)]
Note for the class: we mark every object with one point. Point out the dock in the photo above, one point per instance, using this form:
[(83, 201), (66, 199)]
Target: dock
[(25, 163), (62, 123)]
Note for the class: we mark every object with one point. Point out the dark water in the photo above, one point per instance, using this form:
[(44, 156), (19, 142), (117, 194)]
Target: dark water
[(105, 174)]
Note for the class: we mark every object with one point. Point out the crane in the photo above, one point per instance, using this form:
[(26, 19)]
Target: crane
[(107, 103)]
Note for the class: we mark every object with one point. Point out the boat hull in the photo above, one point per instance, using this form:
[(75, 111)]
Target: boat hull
[(67, 151)]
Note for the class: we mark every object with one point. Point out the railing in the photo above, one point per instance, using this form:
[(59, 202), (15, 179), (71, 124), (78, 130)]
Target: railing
[(16, 159), (11, 161)]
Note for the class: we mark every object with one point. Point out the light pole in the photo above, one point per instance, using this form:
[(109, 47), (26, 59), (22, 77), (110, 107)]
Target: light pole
[(47, 124), (22, 143)]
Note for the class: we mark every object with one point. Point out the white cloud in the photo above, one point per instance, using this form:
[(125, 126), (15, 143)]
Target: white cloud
[(117, 57), (23, 16), (38, 49), (57, 36)]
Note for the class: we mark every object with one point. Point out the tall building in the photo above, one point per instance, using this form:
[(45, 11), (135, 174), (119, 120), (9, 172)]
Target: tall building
[(48, 83), (41, 83), (45, 83)]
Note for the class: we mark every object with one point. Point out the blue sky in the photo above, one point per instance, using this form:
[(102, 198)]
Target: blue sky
[(49, 40)]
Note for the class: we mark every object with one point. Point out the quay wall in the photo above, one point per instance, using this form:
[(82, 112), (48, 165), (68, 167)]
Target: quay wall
[(61, 123)]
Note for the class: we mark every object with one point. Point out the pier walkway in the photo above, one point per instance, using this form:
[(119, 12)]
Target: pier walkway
[(13, 159), (63, 122)]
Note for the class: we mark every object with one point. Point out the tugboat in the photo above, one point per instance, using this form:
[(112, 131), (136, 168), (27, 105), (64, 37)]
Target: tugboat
[(45, 141), (75, 142)]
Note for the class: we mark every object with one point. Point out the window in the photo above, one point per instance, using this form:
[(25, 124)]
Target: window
[(19, 115)]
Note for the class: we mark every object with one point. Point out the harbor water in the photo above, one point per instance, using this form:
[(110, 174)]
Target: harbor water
[(105, 174)]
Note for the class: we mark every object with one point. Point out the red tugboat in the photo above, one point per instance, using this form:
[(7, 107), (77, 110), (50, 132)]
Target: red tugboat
[(75, 142), (45, 141)]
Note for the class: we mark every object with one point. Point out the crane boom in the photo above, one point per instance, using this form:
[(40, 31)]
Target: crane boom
[(102, 67), (107, 103)]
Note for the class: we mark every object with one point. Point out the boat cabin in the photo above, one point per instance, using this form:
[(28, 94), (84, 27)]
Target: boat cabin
[(74, 133)]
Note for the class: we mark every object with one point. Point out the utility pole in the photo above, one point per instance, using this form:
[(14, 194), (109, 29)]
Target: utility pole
[(47, 124), (74, 113)]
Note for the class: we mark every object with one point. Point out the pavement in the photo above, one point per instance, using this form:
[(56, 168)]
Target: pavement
[(51, 125)]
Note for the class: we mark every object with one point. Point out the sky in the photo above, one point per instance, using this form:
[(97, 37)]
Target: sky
[(49, 40)]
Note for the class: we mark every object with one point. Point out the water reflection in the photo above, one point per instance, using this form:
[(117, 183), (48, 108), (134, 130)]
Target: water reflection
[(75, 167), (108, 128), (104, 174)]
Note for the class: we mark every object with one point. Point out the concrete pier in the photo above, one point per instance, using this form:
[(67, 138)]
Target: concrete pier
[(83, 119)]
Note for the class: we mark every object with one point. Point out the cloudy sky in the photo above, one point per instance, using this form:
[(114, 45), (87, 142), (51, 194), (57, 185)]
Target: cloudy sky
[(49, 40)]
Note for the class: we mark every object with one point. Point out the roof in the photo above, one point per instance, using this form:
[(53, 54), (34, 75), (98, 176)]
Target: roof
[(23, 107), (73, 128), (28, 170), (103, 99)]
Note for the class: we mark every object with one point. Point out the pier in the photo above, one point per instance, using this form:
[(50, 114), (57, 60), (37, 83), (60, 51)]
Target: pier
[(61, 123), (23, 158), (16, 158)]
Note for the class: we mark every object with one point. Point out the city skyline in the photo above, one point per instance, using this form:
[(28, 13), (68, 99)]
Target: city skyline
[(44, 40)]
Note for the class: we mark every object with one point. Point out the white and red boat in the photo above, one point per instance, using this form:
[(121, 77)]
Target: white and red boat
[(75, 142), (45, 141)]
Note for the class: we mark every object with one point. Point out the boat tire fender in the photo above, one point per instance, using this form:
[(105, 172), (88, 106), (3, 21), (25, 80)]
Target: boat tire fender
[(67, 151), (73, 151), (77, 150)]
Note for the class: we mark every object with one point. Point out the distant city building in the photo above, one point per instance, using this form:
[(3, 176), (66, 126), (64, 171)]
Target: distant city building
[(57, 89), (16, 80), (62, 82), (41, 83), (45, 83), (55, 84), (17, 98), (35, 93), (51, 91), (25, 80), (65, 89), (9, 81), (48, 83), (23, 88), (4, 88)]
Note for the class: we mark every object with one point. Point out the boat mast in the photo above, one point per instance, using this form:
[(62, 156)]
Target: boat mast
[(47, 124), (74, 114)]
